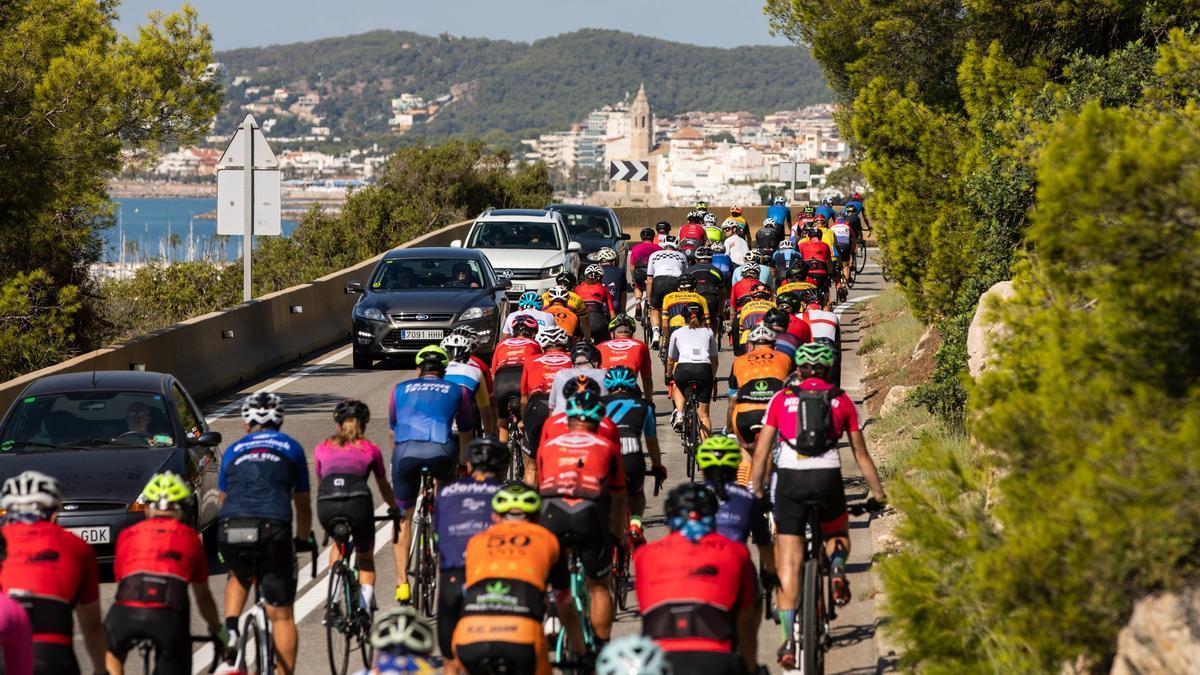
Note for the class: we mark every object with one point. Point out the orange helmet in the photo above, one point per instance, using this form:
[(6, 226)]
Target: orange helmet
[(735, 210)]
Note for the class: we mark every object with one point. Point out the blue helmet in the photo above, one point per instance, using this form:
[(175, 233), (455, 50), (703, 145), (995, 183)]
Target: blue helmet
[(530, 300), (620, 377)]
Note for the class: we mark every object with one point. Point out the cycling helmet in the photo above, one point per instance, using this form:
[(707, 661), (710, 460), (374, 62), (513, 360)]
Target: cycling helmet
[(261, 408), (432, 357), (776, 317), (606, 254), (516, 496), (730, 224), (814, 355), (646, 234), (717, 247), (686, 282), (787, 245), (704, 253), (828, 201), (812, 232), (810, 296), (671, 243), (352, 408), (402, 629), (457, 346), (662, 227), (578, 385), (693, 309), (760, 291), (695, 216), (530, 300), (751, 270), (788, 302), (467, 332), (593, 272), (781, 200), (554, 336), (632, 655), (585, 351), (856, 197), (558, 294), (31, 492), (585, 405), (719, 452), (710, 219), (566, 279), (796, 272), (701, 205), (851, 209), (692, 501), (488, 454), (622, 321), (769, 222), (165, 491), (620, 377), (761, 334), (735, 210), (525, 325)]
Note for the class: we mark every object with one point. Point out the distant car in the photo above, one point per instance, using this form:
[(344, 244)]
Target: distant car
[(103, 434), (416, 296), (594, 227), (527, 246)]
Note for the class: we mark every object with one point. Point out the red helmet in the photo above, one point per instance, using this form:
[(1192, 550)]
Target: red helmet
[(856, 196), (735, 210), (760, 291), (524, 323)]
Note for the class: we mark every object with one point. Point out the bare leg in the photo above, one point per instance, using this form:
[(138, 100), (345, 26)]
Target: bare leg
[(283, 628)]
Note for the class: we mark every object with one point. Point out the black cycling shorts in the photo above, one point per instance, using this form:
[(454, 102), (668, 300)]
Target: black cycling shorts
[(658, 292), (700, 373), (506, 389), (639, 277), (843, 251), (273, 556), (584, 527), (359, 511), (795, 488), (635, 473), (747, 421), (166, 628), (536, 414), (709, 663), (449, 606), (598, 322), (51, 657), (487, 657)]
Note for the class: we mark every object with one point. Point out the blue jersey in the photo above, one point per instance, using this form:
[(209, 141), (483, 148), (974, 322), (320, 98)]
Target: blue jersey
[(614, 280), (425, 408), (787, 344), (259, 473), (781, 214), (740, 515), (765, 274), (825, 210), (723, 263), (464, 509), (784, 259), (854, 220)]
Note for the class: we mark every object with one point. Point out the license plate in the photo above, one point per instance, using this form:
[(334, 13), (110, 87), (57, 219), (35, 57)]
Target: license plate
[(422, 334), (93, 535), (518, 288)]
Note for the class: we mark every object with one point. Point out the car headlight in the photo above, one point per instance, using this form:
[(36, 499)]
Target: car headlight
[(552, 271), (370, 313), (477, 313)]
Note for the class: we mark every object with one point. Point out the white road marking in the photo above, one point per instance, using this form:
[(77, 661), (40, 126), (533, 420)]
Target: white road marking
[(307, 370), (849, 303)]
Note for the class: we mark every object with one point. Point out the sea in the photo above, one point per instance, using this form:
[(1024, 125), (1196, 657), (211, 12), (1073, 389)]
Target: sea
[(169, 229)]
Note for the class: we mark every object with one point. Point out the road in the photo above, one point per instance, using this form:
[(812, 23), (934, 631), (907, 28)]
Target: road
[(311, 389)]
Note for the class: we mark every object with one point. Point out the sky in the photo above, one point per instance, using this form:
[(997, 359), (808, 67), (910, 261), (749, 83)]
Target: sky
[(237, 23)]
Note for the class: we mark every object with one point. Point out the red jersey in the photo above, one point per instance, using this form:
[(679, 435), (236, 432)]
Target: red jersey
[(628, 352), (597, 293), (162, 547), (799, 328), (514, 351), (690, 594), (580, 465), (538, 376), (692, 231), (50, 571), (740, 290), (814, 250), (556, 425)]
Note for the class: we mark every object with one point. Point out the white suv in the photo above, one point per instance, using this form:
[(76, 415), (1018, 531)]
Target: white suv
[(529, 247)]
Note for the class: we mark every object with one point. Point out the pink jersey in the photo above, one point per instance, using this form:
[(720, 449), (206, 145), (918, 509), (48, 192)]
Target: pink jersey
[(360, 458), (16, 637), (640, 254)]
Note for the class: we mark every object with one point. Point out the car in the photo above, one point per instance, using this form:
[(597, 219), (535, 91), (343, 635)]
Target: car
[(103, 434), (527, 246), (594, 227), (417, 296)]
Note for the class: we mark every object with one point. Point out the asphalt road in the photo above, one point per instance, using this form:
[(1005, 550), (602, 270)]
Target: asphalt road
[(312, 388)]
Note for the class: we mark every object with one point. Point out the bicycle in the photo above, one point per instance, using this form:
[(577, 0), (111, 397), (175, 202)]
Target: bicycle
[(691, 428), (811, 632), (516, 442), (622, 574), (347, 624), (565, 657), (422, 552), (254, 651), (860, 255), (146, 646)]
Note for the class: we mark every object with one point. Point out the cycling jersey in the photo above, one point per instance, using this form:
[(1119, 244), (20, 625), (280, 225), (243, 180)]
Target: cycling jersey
[(794, 287), (842, 233), (781, 214), (558, 402), (824, 210), (692, 345), (822, 324), (423, 410), (723, 263), (628, 352), (544, 319), (787, 344), (471, 377), (784, 259), (48, 572), (634, 417), (566, 318), (741, 289), (737, 248), (258, 475), (538, 376), (830, 240), (692, 231), (556, 425), (713, 233), (709, 278), (360, 458), (675, 304), (343, 494), (573, 301), (514, 352), (666, 263), (759, 364), (766, 274), (596, 294), (464, 509), (690, 594), (814, 250), (580, 465), (617, 285), (639, 256), (750, 315), (782, 414), (741, 515), (16, 637), (155, 561)]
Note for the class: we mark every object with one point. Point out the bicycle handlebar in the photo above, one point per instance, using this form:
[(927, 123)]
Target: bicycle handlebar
[(870, 505)]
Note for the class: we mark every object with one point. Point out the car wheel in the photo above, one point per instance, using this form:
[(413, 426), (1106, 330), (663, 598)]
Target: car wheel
[(362, 361)]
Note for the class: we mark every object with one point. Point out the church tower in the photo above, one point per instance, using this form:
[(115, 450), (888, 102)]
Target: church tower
[(641, 126)]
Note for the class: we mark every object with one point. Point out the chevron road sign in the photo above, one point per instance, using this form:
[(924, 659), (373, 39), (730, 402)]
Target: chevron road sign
[(629, 170)]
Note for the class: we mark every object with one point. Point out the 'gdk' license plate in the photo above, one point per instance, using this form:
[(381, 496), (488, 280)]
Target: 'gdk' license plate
[(92, 535)]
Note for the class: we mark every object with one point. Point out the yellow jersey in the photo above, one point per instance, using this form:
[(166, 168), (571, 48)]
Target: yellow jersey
[(675, 302), (573, 301)]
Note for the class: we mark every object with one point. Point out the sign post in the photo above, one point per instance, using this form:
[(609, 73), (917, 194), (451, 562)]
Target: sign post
[(255, 207)]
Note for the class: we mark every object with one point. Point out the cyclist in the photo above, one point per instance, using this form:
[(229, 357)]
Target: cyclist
[(663, 230), (585, 362), (702, 206), (693, 230), (462, 512), (614, 276), (843, 236), (508, 364), (565, 317), (712, 231), (156, 560), (598, 300), (818, 259), (508, 568), (692, 359), (536, 382), (735, 214), (825, 327), (460, 370), (664, 268), (754, 379), (634, 416), (422, 415), (741, 516), (784, 257), (529, 304), (800, 431), (50, 572), (722, 261), (856, 213), (343, 463), (710, 282), (786, 342), (472, 336), (403, 640), (569, 282), (735, 242), (780, 212), (696, 589), (756, 305), (582, 480), (639, 258), (825, 209), (769, 236), (625, 350), (558, 423), (759, 261), (632, 655), (675, 303), (16, 632)]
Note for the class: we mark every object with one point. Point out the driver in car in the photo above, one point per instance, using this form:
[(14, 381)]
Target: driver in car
[(463, 277), (137, 418)]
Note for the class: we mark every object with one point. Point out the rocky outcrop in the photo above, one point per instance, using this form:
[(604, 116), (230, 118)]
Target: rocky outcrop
[(895, 398), (926, 345), (1162, 636), (985, 327)]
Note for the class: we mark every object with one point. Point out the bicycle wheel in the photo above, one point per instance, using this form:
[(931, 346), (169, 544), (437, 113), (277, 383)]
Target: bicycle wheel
[(428, 573), (620, 577), (691, 437), (258, 650), (860, 256), (812, 655), (338, 613)]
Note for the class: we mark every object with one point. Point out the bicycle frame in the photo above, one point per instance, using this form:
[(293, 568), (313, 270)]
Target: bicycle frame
[(582, 599), (422, 552)]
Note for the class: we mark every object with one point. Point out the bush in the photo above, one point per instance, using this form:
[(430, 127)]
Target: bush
[(36, 319)]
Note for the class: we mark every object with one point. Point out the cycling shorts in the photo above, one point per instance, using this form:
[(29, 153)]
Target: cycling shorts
[(660, 289), (583, 525), (598, 322), (639, 277), (406, 476), (747, 421), (795, 489), (843, 251), (635, 473), (514, 640), (700, 373), (449, 606), (358, 511), (273, 556), (506, 388), (167, 629), (536, 414), (709, 663), (51, 657)]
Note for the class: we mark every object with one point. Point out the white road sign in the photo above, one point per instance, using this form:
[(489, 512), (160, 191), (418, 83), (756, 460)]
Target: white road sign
[(231, 208)]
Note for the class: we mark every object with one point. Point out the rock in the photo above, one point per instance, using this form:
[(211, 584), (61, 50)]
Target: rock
[(895, 398), (1162, 636), (925, 345), (985, 328)]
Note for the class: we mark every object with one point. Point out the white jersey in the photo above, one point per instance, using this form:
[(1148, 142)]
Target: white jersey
[(823, 324), (692, 345), (666, 263), (841, 233), (737, 248), (544, 319), (557, 400)]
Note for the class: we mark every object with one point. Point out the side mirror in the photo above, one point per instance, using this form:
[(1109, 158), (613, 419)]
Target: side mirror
[(354, 287), (626, 236), (208, 439), (457, 243), (574, 246), (503, 285)]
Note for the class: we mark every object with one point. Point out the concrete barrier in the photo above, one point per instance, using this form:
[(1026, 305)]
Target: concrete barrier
[(633, 219), (218, 351)]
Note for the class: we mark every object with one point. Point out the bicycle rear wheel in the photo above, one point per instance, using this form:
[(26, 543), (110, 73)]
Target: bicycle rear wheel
[(860, 256), (258, 651), (621, 581), (338, 617), (812, 654), (691, 437)]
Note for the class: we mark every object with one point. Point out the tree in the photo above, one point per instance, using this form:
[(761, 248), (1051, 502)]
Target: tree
[(34, 321), (846, 179), (722, 137)]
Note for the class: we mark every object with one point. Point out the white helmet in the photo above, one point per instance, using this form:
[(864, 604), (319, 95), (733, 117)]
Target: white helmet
[(717, 247), (554, 336), (593, 270), (751, 271), (402, 629), (31, 492), (456, 345), (710, 219), (781, 200), (606, 254), (730, 222), (261, 408), (787, 244), (558, 293), (467, 332), (671, 242), (760, 333), (769, 222), (632, 655)]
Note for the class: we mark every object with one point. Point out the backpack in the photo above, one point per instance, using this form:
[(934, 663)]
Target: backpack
[(814, 419)]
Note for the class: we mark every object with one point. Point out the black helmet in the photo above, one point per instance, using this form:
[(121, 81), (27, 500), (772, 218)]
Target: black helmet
[(788, 302), (662, 227), (566, 279), (579, 384), (776, 317), (693, 309), (686, 282), (797, 272), (488, 454), (692, 501), (352, 408), (647, 234), (586, 351), (622, 321)]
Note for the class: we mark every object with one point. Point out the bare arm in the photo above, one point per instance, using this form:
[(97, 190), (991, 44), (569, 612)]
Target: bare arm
[(762, 452), (748, 637), (385, 489), (867, 465), (653, 449), (93, 634), (303, 508), (206, 605)]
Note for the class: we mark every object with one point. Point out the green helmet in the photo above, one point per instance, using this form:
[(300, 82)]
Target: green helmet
[(814, 355), (166, 490), (516, 496), (717, 452), (433, 355)]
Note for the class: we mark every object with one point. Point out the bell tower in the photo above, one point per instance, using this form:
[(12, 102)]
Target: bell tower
[(641, 126)]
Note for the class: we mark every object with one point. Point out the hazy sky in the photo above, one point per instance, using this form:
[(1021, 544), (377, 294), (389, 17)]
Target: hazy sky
[(238, 23)]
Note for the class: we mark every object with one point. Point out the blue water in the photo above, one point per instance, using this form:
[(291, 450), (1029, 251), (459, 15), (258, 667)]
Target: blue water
[(150, 223)]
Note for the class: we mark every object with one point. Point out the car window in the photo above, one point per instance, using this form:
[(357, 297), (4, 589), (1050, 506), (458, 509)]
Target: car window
[(539, 236), (587, 225), (425, 273), (192, 428), (107, 419)]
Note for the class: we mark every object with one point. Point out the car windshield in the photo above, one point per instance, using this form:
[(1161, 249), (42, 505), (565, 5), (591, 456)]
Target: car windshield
[(509, 234), (87, 419), (426, 273), (581, 225)]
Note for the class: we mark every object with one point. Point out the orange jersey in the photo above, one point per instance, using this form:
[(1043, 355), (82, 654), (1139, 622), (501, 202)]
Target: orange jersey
[(512, 550), (566, 319), (761, 364), (557, 425), (538, 375), (580, 465), (514, 351), (626, 352)]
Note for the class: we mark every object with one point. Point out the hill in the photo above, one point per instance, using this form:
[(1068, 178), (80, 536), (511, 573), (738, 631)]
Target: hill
[(504, 90)]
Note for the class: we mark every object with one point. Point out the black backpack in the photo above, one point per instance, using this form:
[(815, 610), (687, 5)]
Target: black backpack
[(814, 419)]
